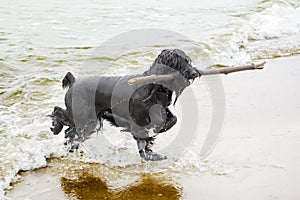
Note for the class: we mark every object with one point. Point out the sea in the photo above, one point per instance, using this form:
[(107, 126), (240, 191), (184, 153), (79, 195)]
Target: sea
[(41, 41)]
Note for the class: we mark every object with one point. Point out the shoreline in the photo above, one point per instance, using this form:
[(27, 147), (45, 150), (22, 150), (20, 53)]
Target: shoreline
[(66, 179), (259, 143)]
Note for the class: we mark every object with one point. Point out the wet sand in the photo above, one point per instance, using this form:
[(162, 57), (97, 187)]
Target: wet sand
[(260, 145), (65, 179), (261, 137)]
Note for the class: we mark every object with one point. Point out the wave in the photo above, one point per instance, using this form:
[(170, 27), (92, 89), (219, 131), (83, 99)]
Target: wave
[(279, 19), (264, 26), (257, 33)]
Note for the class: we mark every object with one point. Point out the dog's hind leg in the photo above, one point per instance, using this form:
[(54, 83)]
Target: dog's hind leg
[(72, 135), (59, 119)]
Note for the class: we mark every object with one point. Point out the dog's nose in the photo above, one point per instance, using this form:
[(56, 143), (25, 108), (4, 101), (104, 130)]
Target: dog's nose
[(193, 74)]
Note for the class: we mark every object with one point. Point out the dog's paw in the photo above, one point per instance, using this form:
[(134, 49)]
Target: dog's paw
[(73, 147), (152, 156)]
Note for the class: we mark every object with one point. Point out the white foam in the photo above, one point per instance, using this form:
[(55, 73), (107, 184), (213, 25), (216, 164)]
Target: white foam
[(278, 19), (22, 154), (275, 21)]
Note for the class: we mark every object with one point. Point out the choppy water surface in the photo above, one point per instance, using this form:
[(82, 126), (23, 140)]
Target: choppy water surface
[(41, 41)]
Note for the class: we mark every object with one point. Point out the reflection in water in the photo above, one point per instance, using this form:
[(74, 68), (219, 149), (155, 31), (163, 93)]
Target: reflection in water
[(87, 186)]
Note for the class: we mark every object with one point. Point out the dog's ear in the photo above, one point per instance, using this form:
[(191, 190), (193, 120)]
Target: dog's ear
[(159, 69), (175, 61)]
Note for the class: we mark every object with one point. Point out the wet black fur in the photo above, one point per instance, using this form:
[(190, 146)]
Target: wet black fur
[(136, 109)]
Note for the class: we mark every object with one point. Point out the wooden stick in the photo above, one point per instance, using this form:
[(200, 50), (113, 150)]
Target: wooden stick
[(224, 70), (227, 69), (152, 78)]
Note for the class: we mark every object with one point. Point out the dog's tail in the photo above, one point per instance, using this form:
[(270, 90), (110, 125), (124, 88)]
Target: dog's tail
[(68, 80)]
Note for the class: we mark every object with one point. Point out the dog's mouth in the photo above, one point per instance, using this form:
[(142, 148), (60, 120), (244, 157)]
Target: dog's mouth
[(191, 80), (188, 81), (190, 77)]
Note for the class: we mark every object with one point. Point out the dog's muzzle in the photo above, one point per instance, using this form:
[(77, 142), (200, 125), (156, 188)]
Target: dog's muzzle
[(192, 74)]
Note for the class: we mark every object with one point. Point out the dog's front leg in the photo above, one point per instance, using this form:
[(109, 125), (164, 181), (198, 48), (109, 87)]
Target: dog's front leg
[(145, 152)]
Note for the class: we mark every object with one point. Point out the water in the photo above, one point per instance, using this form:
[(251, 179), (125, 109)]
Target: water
[(41, 41)]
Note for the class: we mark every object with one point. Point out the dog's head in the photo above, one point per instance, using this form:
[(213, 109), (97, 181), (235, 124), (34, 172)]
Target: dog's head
[(177, 63), (170, 61)]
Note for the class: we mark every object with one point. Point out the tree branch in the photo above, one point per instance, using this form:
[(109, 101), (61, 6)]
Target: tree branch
[(224, 70), (152, 78), (227, 69)]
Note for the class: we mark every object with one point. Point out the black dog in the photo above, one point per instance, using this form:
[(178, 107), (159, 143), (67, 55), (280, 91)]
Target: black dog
[(138, 108)]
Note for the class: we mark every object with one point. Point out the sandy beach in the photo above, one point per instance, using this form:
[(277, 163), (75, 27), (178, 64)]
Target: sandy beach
[(260, 137), (259, 145), (236, 135)]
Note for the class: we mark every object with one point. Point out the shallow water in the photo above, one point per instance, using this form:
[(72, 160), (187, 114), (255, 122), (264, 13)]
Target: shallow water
[(40, 42)]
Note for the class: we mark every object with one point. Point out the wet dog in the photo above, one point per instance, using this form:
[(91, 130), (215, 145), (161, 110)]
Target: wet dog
[(138, 109)]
